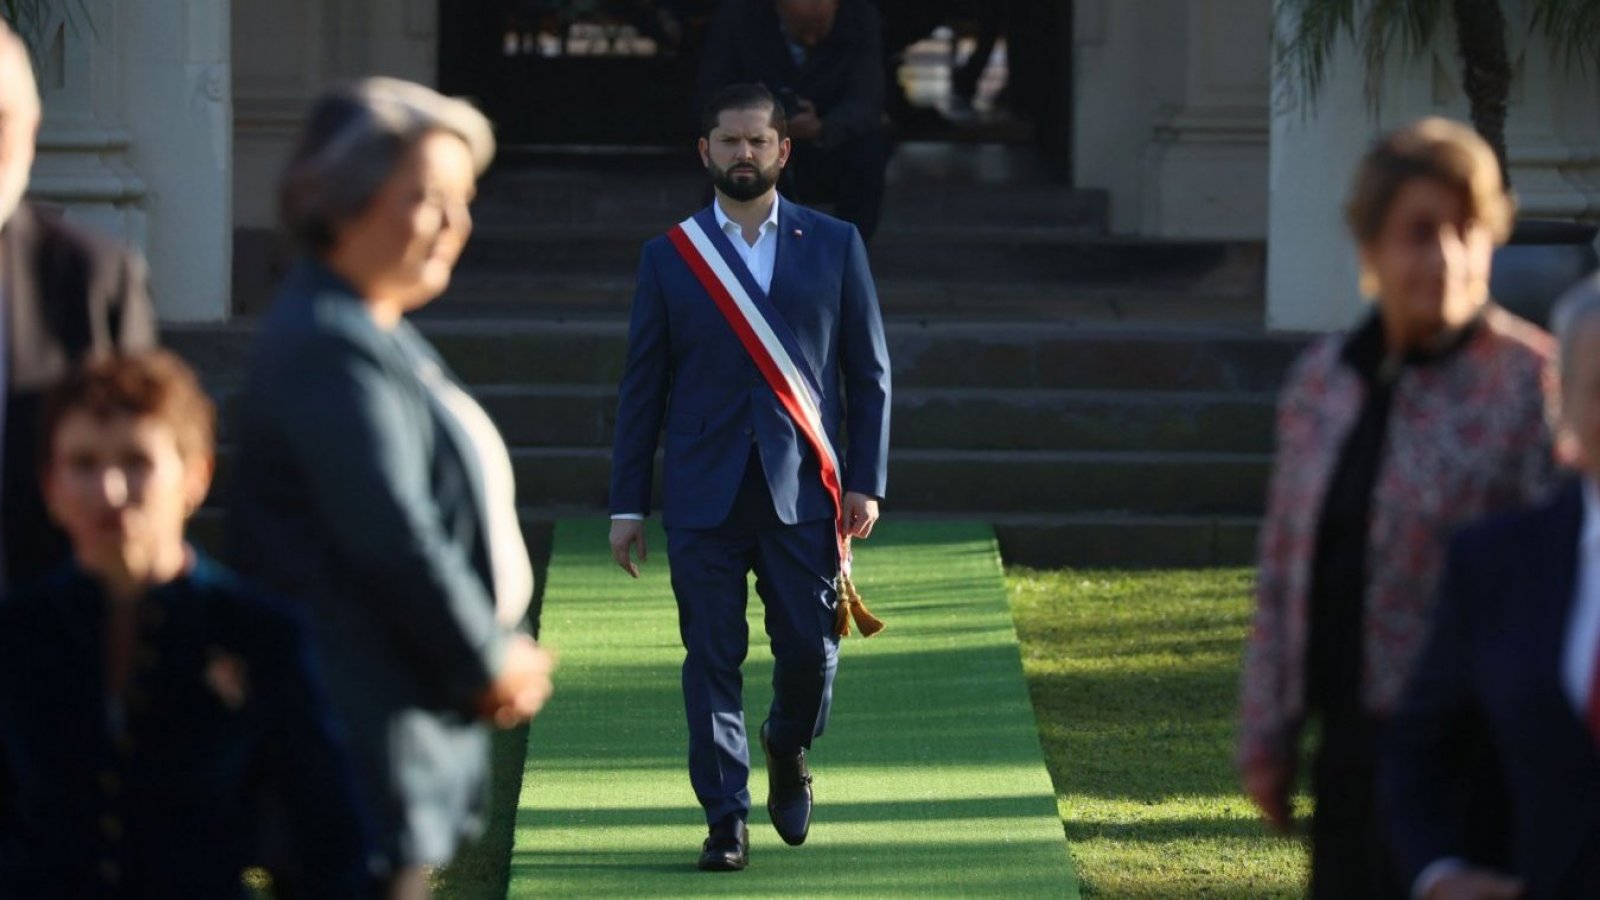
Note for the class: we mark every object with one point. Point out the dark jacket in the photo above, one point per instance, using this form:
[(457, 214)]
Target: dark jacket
[(842, 75), (1493, 664), (225, 705), (67, 294), (350, 497), (687, 370)]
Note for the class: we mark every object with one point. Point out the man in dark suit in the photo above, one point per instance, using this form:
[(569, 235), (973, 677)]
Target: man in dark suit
[(755, 340), (65, 295), (1513, 653), (823, 60)]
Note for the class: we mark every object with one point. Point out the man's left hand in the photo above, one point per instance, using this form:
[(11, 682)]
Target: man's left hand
[(860, 513), (805, 125)]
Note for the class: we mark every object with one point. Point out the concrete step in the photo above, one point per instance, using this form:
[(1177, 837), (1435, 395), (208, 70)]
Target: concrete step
[(935, 185), (560, 415), (1017, 256), (506, 294), (1081, 541), (955, 355), (950, 482), (1125, 541), (972, 482)]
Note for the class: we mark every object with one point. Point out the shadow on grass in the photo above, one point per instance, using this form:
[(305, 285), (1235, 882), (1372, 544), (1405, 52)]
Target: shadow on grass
[(865, 868), (973, 809)]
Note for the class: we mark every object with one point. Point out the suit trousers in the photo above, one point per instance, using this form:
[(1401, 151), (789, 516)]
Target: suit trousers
[(795, 568)]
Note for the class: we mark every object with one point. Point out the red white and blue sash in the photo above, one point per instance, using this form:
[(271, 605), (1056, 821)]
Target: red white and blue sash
[(772, 346)]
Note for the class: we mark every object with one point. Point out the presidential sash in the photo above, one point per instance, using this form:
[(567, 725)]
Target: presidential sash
[(772, 346)]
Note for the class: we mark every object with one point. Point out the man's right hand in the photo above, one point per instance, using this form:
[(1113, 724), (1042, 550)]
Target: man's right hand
[(1475, 884), (625, 535)]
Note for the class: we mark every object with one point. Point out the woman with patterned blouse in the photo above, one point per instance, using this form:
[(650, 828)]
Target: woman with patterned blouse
[(1431, 412)]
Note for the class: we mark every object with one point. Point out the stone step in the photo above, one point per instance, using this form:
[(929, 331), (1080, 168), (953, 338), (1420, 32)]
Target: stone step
[(514, 295), (1125, 541), (937, 185), (533, 416), (975, 257), (960, 355), (959, 483), (1039, 541)]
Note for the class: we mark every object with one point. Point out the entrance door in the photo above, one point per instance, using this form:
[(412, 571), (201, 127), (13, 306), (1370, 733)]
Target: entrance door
[(574, 72)]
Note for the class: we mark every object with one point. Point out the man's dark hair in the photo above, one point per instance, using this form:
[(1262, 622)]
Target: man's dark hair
[(744, 96)]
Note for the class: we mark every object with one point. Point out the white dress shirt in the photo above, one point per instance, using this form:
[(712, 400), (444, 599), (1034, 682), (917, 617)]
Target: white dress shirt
[(759, 258), (511, 570), (1583, 627)]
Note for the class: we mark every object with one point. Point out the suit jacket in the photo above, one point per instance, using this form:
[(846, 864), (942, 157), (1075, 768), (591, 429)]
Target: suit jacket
[(351, 497), (686, 370), (843, 75), (1493, 663), (165, 805), (67, 295)]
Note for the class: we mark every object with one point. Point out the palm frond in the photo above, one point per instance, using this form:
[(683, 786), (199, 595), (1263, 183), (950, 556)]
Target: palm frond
[(30, 18), (1573, 29), (1377, 28)]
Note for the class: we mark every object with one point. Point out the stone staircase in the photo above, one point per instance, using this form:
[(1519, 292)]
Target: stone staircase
[(1102, 402)]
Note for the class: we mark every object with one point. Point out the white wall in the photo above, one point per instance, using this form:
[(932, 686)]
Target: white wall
[(137, 142), (1553, 131), (1171, 114)]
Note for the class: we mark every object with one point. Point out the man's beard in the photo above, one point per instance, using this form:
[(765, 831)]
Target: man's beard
[(746, 188)]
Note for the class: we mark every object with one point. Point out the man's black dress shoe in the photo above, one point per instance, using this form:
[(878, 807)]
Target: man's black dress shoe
[(788, 792), (727, 849)]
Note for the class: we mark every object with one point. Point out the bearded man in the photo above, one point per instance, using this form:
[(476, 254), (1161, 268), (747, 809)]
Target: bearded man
[(755, 341)]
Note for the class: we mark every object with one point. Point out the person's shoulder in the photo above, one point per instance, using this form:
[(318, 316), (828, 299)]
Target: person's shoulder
[(56, 236), (266, 617), (1513, 532), (26, 609), (1511, 336), (817, 223), (1316, 362)]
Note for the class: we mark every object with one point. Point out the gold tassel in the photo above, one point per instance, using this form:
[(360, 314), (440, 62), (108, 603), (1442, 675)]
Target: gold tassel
[(851, 606)]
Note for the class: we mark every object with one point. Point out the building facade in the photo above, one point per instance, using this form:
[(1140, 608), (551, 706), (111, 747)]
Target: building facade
[(167, 121)]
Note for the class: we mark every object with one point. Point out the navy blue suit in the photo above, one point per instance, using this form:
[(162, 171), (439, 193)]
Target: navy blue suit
[(742, 490), (1493, 665)]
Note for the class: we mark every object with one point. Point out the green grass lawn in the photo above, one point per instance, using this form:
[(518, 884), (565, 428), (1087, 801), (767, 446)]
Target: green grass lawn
[(1134, 678)]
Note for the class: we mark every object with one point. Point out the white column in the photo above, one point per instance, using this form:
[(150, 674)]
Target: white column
[(176, 96), (1129, 65), (1553, 136), (82, 164), (1206, 164)]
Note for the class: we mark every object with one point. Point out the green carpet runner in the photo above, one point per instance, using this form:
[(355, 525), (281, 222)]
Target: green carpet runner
[(929, 781)]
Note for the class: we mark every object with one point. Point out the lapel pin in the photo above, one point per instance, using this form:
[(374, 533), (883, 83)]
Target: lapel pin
[(798, 232)]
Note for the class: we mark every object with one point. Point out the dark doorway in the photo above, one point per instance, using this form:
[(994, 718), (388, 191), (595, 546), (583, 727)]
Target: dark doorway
[(575, 72), (621, 73)]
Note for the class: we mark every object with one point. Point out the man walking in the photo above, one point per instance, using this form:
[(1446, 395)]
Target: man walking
[(756, 342)]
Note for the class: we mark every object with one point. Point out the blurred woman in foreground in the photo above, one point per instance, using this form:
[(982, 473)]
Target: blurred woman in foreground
[(371, 487), (1431, 412)]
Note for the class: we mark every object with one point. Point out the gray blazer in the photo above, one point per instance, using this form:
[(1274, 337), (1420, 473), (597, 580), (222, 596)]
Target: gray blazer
[(68, 295), (350, 496)]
